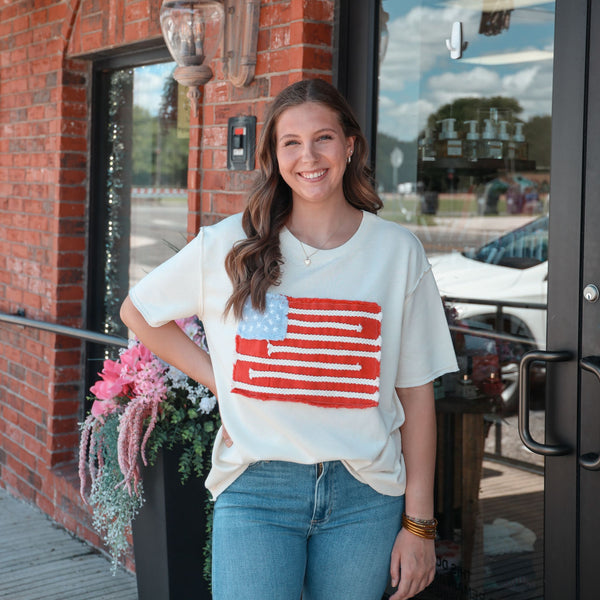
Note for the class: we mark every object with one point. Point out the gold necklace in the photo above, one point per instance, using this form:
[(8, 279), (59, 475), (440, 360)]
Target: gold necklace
[(307, 256)]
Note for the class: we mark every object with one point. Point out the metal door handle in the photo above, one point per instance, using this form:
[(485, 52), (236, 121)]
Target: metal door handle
[(591, 460), (524, 433)]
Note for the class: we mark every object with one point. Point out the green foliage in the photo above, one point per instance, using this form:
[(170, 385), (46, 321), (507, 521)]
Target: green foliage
[(114, 507), (180, 424)]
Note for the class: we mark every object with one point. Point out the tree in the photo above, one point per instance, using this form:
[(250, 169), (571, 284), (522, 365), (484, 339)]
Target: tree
[(159, 156), (537, 132), (145, 129)]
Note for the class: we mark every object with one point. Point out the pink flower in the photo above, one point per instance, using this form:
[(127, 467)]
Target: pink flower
[(133, 360), (111, 385), (135, 357), (103, 407)]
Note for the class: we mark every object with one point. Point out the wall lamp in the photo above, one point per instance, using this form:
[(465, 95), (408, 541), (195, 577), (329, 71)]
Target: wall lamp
[(193, 31)]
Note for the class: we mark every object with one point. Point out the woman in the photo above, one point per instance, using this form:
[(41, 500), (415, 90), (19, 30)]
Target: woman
[(326, 331)]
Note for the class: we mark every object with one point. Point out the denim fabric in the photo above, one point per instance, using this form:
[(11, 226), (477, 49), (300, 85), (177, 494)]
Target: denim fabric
[(285, 529)]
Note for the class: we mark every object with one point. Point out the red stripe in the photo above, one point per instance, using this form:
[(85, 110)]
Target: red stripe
[(327, 304), (324, 401)]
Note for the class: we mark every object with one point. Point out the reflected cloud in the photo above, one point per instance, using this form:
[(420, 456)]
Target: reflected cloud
[(148, 87), (495, 5), (510, 58), (418, 76)]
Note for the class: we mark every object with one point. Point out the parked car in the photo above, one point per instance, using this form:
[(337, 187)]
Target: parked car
[(510, 269)]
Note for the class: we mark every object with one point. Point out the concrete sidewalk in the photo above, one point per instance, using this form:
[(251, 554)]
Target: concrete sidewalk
[(40, 560)]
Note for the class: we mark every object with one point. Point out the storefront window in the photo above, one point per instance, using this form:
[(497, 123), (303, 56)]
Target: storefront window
[(141, 209)]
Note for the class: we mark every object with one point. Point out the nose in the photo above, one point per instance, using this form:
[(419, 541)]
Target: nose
[(309, 152)]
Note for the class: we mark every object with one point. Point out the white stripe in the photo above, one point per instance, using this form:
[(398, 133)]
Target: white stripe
[(335, 313), (324, 325), (304, 392), (318, 378), (333, 338), (271, 349), (298, 363)]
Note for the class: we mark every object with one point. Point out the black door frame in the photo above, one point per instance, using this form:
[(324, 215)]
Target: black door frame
[(570, 557), (589, 432)]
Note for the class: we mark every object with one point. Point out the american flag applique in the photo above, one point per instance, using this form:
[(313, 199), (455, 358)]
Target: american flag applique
[(312, 350)]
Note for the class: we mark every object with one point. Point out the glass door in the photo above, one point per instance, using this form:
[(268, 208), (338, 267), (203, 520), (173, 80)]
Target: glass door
[(463, 159)]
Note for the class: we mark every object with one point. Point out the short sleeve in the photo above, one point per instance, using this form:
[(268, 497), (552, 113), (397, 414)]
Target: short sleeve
[(174, 289), (426, 349)]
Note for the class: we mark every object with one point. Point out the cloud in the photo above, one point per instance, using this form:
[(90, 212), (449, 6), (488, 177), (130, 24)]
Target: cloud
[(148, 84), (476, 82), (416, 41), (531, 86), (403, 121)]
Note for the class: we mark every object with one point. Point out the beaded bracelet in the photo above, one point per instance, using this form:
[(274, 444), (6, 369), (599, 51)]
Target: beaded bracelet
[(424, 528)]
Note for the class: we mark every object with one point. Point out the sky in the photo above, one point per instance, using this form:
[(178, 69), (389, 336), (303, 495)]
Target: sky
[(148, 83), (418, 76)]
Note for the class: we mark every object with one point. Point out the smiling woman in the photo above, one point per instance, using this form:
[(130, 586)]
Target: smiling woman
[(320, 354)]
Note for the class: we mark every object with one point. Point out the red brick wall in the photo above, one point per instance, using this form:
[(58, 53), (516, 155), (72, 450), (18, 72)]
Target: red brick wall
[(45, 52)]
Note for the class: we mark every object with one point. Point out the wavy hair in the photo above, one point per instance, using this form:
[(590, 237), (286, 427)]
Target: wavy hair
[(254, 263)]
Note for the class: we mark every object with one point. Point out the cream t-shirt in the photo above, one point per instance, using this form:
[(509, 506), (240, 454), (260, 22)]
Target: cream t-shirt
[(312, 378)]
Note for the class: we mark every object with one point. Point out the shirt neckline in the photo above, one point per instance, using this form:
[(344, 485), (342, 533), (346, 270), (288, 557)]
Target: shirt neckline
[(319, 253)]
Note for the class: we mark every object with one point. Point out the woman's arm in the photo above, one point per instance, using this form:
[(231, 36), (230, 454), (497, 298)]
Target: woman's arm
[(414, 554), (171, 344)]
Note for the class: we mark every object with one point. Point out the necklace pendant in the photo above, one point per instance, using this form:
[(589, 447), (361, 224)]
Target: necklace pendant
[(307, 261)]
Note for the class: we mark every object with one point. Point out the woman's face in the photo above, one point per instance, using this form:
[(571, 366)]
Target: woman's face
[(312, 152)]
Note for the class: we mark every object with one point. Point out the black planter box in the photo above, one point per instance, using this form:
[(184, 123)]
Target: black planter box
[(169, 534)]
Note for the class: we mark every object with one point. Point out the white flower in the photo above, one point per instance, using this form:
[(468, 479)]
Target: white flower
[(207, 404), (179, 378)]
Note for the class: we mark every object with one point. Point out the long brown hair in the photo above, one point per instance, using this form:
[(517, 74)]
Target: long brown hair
[(254, 264)]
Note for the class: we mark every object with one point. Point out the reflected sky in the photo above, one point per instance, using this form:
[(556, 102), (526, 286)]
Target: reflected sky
[(148, 85), (418, 76)]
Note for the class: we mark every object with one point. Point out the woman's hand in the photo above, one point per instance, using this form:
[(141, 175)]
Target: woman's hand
[(416, 557), (228, 441)]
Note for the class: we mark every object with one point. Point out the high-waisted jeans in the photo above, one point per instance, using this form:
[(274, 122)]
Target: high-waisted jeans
[(285, 529)]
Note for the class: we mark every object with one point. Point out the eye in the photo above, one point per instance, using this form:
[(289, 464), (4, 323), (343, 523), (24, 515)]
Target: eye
[(289, 143), (326, 137)]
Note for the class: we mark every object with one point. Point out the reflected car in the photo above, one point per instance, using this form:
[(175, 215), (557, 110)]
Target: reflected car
[(508, 274)]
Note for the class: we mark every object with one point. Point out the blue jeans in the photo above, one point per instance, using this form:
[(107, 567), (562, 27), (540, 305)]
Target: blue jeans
[(285, 529)]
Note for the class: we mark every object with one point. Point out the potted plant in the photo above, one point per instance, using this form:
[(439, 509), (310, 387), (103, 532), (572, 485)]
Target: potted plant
[(144, 453)]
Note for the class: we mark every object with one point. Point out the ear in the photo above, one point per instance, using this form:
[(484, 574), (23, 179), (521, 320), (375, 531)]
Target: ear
[(350, 144)]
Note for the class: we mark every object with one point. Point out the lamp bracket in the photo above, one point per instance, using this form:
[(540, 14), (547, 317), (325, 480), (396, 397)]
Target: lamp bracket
[(241, 40)]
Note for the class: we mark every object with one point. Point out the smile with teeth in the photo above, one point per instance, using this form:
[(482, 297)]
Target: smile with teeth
[(313, 174)]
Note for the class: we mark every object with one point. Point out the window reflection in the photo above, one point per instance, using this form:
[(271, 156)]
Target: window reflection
[(463, 160), (147, 140)]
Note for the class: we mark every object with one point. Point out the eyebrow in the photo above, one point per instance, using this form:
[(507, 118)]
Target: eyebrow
[(294, 135)]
